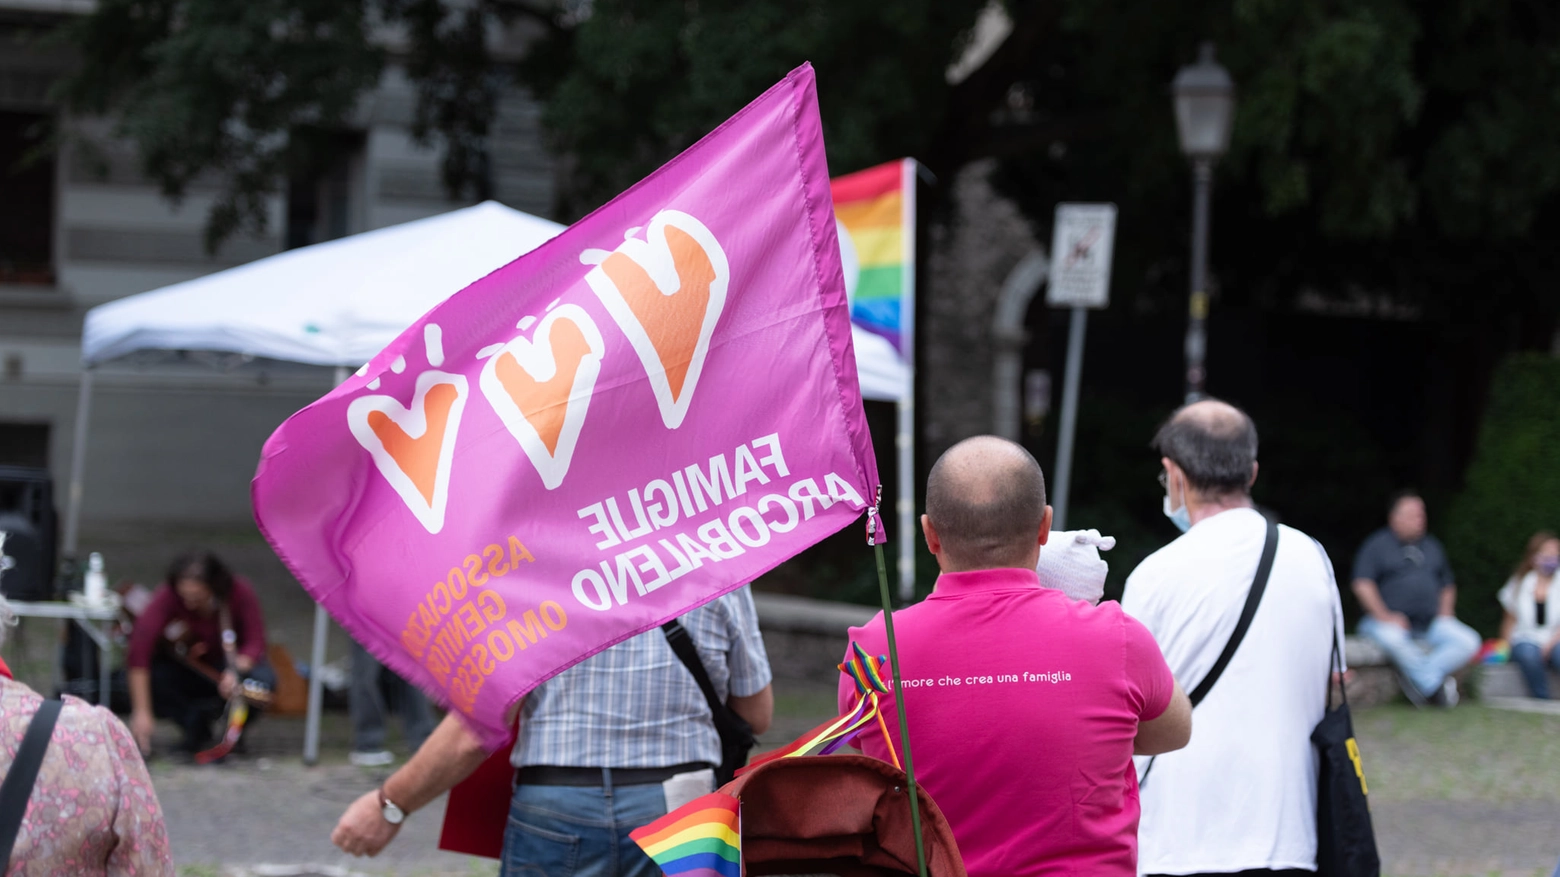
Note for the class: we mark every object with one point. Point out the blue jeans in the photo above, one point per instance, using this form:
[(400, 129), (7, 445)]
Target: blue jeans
[(1529, 658), (1451, 645), (575, 831)]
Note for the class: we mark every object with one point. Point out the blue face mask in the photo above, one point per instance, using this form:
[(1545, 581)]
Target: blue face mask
[(1181, 518), (1547, 565)]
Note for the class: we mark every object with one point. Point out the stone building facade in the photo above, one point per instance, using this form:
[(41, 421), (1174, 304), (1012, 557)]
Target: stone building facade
[(175, 440), (971, 251)]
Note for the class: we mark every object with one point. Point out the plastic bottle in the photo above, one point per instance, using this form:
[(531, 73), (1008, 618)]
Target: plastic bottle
[(94, 583)]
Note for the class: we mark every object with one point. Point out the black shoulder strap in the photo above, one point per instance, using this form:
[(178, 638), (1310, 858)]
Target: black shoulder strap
[(18, 784), (1253, 597), (677, 637)]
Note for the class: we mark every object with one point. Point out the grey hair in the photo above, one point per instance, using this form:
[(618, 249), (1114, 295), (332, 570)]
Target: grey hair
[(1215, 446)]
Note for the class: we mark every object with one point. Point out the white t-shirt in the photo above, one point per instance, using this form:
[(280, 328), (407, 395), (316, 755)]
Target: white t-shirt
[(1242, 794), (1517, 598)]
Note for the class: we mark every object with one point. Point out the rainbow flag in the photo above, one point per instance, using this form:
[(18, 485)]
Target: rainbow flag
[(702, 838), (876, 213)]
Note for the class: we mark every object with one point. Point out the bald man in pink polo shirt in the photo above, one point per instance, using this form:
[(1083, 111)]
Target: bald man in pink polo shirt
[(1025, 707)]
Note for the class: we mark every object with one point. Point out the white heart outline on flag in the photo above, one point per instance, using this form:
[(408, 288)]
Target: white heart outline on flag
[(535, 355), (414, 422), (653, 255)]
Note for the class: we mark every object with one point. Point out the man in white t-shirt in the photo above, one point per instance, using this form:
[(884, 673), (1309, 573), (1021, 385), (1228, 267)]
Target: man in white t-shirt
[(1241, 797)]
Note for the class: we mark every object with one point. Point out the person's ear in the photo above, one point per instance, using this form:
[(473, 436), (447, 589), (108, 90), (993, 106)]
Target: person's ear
[(1253, 480), (933, 544), (1045, 526)]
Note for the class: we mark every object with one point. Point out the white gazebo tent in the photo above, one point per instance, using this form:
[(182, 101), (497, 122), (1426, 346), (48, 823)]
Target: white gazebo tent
[(337, 304)]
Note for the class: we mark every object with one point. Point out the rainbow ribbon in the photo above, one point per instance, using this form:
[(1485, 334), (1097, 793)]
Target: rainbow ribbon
[(831, 736)]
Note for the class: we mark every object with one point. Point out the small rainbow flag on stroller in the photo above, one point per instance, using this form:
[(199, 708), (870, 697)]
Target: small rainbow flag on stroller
[(702, 838), (833, 735)]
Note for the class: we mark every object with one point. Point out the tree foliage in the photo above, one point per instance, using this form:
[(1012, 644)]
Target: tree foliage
[(229, 89), (639, 80), (1513, 485), (1370, 133)]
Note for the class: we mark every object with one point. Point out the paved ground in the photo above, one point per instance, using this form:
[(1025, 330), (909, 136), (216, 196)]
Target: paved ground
[(268, 809), (1470, 793), (1474, 791)]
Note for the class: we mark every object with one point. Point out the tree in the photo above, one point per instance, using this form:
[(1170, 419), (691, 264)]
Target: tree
[(1389, 157), (234, 89), (1373, 138), (1381, 147), (241, 91)]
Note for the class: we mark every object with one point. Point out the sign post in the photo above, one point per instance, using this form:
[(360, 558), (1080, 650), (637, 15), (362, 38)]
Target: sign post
[(1081, 246)]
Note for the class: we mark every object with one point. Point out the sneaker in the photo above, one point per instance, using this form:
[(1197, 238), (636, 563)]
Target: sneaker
[(1447, 697), (378, 758), (1411, 691)]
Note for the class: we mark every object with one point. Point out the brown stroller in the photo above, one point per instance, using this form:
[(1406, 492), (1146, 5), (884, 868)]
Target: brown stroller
[(845, 815)]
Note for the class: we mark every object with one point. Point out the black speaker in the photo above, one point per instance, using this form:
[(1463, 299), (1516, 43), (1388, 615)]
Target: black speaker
[(27, 519)]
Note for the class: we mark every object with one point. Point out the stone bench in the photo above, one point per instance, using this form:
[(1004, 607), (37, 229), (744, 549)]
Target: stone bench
[(806, 638), (1376, 682), (1505, 681)]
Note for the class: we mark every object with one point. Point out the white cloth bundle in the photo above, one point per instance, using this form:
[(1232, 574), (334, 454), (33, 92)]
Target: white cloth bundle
[(1070, 562)]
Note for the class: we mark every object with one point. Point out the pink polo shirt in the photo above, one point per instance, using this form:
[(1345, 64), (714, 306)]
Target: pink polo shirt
[(1023, 705)]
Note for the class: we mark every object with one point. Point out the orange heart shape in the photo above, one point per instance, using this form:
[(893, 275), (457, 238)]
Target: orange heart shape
[(418, 457), (671, 322), (545, 403)]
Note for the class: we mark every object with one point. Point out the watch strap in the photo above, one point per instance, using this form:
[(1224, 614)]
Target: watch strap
[(385, 803)]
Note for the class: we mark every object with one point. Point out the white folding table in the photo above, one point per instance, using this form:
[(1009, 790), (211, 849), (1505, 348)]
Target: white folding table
[(94, 621)]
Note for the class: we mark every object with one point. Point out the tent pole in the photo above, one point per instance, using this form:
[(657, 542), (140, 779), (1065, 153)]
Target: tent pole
[(311, 724), (78, 465)]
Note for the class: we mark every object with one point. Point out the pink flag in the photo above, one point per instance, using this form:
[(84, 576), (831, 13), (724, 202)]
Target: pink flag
[(652, 409)]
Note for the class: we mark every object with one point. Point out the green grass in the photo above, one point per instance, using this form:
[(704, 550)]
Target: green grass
[(805, 704), (1471, 753), (1542, 872)]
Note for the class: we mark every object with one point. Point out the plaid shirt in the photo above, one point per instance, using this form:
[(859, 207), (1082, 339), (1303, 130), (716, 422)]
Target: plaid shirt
[(636, 705)]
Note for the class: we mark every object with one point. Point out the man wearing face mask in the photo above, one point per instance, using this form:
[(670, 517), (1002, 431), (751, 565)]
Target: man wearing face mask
[(1241, 797)]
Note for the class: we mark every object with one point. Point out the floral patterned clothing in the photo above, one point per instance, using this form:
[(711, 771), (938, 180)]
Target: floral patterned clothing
[(93, 810)]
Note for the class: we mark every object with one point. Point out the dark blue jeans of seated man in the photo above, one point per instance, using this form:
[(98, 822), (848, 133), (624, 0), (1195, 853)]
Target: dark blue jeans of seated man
[(580, 831), (1529, 658)]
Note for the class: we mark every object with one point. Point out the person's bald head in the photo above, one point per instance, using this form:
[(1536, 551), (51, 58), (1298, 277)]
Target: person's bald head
[(985, 504), (1214, 443)]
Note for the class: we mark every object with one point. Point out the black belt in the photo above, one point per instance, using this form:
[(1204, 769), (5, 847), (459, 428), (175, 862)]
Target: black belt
[(547, 775)]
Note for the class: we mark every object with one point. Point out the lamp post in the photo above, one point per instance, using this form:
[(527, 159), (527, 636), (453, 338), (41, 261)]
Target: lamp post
[(1204, 111)]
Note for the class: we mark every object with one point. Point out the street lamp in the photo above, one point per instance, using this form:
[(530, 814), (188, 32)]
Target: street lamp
[(1204, 113)]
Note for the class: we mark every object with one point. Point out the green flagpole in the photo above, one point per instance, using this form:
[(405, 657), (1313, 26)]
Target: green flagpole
[(899, 701)]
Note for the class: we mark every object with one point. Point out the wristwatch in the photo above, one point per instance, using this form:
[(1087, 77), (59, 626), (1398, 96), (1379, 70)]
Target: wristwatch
[(388, 809)]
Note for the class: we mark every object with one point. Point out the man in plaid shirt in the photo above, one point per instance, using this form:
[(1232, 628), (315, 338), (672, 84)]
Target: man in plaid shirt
[(605, 747)]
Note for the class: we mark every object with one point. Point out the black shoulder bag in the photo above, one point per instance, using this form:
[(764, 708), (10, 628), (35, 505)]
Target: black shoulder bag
[(736, 735), (19, 780), (1345, 839), (1248, 612)]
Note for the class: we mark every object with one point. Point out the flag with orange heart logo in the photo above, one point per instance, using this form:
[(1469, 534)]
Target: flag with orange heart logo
[(650, 410)]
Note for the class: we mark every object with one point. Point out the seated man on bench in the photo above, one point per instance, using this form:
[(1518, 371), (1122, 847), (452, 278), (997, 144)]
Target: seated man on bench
[(1405, 586)]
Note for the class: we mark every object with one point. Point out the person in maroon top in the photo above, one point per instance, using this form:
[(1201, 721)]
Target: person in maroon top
[(178, 665)]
